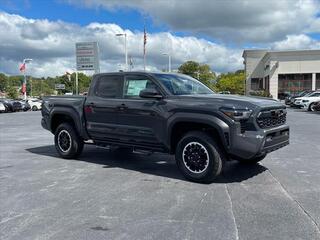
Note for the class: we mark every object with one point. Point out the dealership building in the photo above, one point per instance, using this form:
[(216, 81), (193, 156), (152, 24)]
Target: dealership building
[(281, 72)]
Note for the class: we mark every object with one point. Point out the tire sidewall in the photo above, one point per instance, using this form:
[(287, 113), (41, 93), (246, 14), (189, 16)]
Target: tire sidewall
[(214, 166), (75, 144), (311, 107)]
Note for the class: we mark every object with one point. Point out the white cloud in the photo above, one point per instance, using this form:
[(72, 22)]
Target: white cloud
[(237, 20), (300, 41), (51, 45)]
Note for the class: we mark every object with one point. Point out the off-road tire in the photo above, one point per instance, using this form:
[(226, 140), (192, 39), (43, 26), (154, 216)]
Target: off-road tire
[(192, 145), (64, 132)]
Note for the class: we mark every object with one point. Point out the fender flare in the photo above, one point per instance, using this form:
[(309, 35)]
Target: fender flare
[(73, 114), (211, 120)]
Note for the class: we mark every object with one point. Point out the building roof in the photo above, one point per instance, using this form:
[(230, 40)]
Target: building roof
[(287, 52)]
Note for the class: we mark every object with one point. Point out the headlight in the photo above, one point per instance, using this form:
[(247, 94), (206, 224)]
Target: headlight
[(236, 114)]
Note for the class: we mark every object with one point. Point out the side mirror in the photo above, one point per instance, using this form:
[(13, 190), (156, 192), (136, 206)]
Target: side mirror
[(150, 93)]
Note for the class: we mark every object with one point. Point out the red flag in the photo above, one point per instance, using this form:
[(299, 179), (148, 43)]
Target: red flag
[(24, 88), (144, 40), (22, 67)]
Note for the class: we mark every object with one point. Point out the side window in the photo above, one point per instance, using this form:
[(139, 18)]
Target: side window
[(108, 86), (133, 86)]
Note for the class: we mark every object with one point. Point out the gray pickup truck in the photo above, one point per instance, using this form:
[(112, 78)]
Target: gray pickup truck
[(170, 113)]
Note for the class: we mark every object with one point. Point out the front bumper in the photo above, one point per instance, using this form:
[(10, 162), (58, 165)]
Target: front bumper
[(256, 143)]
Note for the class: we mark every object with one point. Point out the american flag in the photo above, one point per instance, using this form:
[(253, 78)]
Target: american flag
[(144, 40), (22, 67)]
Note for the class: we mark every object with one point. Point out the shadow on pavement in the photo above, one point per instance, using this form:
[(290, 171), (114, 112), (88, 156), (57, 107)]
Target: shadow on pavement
[(156, 164)]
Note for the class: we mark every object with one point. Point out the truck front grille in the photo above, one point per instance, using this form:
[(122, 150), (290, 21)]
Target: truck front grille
[(272, 118)]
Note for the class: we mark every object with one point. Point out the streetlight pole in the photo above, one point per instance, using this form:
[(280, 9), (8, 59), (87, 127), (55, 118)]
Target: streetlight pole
[(125, 48), (169, 59), (25, 61)]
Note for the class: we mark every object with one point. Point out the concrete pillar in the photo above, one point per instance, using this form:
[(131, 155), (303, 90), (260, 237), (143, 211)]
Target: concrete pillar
[(274, 86), (313, 81)]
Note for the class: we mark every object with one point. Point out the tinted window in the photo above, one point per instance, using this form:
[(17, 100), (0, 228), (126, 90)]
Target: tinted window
[(108, 86), (133, 86)]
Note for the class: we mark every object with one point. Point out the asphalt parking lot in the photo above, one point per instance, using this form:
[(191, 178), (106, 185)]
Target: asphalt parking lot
[(108, 195)]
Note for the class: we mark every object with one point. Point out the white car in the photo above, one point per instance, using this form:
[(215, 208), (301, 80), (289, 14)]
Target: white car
[(35, 104), (2, 107), (307, 101)]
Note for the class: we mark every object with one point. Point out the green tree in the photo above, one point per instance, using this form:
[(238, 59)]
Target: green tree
[(3, 82), (232, 82), (12, 92), (202, 72)]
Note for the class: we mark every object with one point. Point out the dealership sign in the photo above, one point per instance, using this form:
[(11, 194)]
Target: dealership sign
[(60, 86), (87, 55)]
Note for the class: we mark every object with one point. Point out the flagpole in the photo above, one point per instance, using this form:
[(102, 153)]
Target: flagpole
[(24, 87), (144, 44)]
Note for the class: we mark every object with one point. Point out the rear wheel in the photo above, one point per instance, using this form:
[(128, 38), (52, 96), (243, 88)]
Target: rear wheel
[(199, 157), (67, 141), (34, 108)]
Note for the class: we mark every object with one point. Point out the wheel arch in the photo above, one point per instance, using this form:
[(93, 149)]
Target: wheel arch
[(60, 115), (183, 123)]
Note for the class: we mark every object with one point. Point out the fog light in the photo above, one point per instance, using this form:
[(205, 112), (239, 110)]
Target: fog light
[(268, 139)]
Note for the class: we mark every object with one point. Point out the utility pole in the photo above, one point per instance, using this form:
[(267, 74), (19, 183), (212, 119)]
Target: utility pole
[(169, 59), (125, 48)]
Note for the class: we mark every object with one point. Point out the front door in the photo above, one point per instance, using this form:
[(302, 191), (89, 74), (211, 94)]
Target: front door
[(141, 121)]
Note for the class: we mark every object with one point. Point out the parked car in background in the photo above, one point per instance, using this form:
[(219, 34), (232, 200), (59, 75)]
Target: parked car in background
[(25, 105), (225, 92), (35, 104), (2, 108), (8, 103), (17, 106), (283, 95), (308, 101), (290, 99)]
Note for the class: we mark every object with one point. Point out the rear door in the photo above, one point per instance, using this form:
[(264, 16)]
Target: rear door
[(102, 106)]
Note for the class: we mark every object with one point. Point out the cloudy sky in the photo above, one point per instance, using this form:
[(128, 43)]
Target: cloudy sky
[(214, 32)]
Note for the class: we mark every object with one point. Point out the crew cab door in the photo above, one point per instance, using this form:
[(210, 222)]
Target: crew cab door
[(141, 120), (102, 105)]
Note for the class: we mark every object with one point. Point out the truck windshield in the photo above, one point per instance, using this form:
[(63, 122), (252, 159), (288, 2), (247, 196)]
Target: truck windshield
[(178, 84)]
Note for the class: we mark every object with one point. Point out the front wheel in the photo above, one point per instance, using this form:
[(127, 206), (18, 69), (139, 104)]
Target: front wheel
[(34, 108), (199, 157), (67, 141), (312, 107)]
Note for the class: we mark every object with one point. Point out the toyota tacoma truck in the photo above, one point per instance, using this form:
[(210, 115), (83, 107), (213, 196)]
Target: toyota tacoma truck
[(170, 113)]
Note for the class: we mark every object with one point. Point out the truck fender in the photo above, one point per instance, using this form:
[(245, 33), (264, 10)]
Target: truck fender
[(222, 128), (69, 112)]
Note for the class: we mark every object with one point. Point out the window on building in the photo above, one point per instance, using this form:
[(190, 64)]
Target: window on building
[(256, 84), (318, 81), (294, 83)]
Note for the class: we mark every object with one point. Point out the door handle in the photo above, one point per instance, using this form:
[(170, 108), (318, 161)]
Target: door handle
[(122, 107)]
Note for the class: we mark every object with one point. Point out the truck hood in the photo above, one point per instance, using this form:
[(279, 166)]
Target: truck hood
[(236, 101)]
